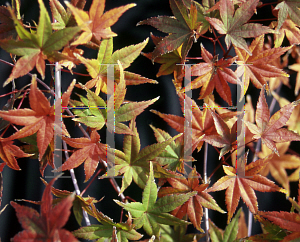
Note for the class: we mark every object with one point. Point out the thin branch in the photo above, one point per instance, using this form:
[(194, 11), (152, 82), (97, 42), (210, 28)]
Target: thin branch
[(205, 181)]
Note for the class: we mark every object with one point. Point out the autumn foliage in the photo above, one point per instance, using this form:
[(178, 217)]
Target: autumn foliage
[(253, 144)]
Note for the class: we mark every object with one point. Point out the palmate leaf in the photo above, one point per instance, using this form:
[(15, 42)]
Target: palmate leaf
[(172, 157), (79, 202), (194, 206), (97, 68), (258, 67), (278, 164), (214, 74), (38, 46), (96, 118), (202, 122), (182, 28), (133, 162), (288, 8), (46, 226), (234, 24), (270, 129), (89, 151), (150, 213), (39, 119), (123, 231), (238, 186), (96, 24)]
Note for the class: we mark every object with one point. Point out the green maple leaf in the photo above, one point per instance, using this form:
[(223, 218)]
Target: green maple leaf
[(234, 24), (291, 8), (96, 118), (37, 46), (151, 212), (133, 161), (183, 29), (172, 157), (97, 68), (124, 231)]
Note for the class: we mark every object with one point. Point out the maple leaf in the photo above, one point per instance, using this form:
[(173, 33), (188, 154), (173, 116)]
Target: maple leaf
[(288, 8), (132, 163), (46, 226), (277, 165), (234, 23), (182, 28), (230, 233), (286, 220), (8, 152), (226, 138), (169, 61), (172, 157), (194, 206), (269, 129), (151, 212), (258, 67), (213, 74), (39, 119), (95, 118), (244, 187), (97, 68), (38, 46), (96, 24), (202, 122), (123, 231), (79, 202), (89, 151)]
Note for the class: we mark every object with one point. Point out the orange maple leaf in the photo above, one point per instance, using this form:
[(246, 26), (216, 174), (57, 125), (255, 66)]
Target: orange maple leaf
[(89, 151), (8, 152), (213, 74), (96, 24), (40, 118), (244, 187), (193, 206), (270, 129), (257, 67)]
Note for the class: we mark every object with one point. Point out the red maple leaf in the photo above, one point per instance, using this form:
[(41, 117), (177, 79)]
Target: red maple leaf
[(213, 74), (46, 226), (40, 118), (237, 186), (89, 151)]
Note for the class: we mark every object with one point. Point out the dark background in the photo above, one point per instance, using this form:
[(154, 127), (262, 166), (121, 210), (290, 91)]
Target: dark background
[(26, 184)]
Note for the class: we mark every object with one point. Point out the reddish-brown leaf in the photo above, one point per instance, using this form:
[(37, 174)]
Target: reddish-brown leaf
[(89, 151), (214, 73), (8, 152), (192, 207), (46, 226), (237, 186), (270, 129), (258, 66), (40, 118), (202, 122)]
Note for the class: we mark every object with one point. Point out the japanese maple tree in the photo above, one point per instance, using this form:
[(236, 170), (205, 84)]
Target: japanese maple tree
[(213, 53)]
